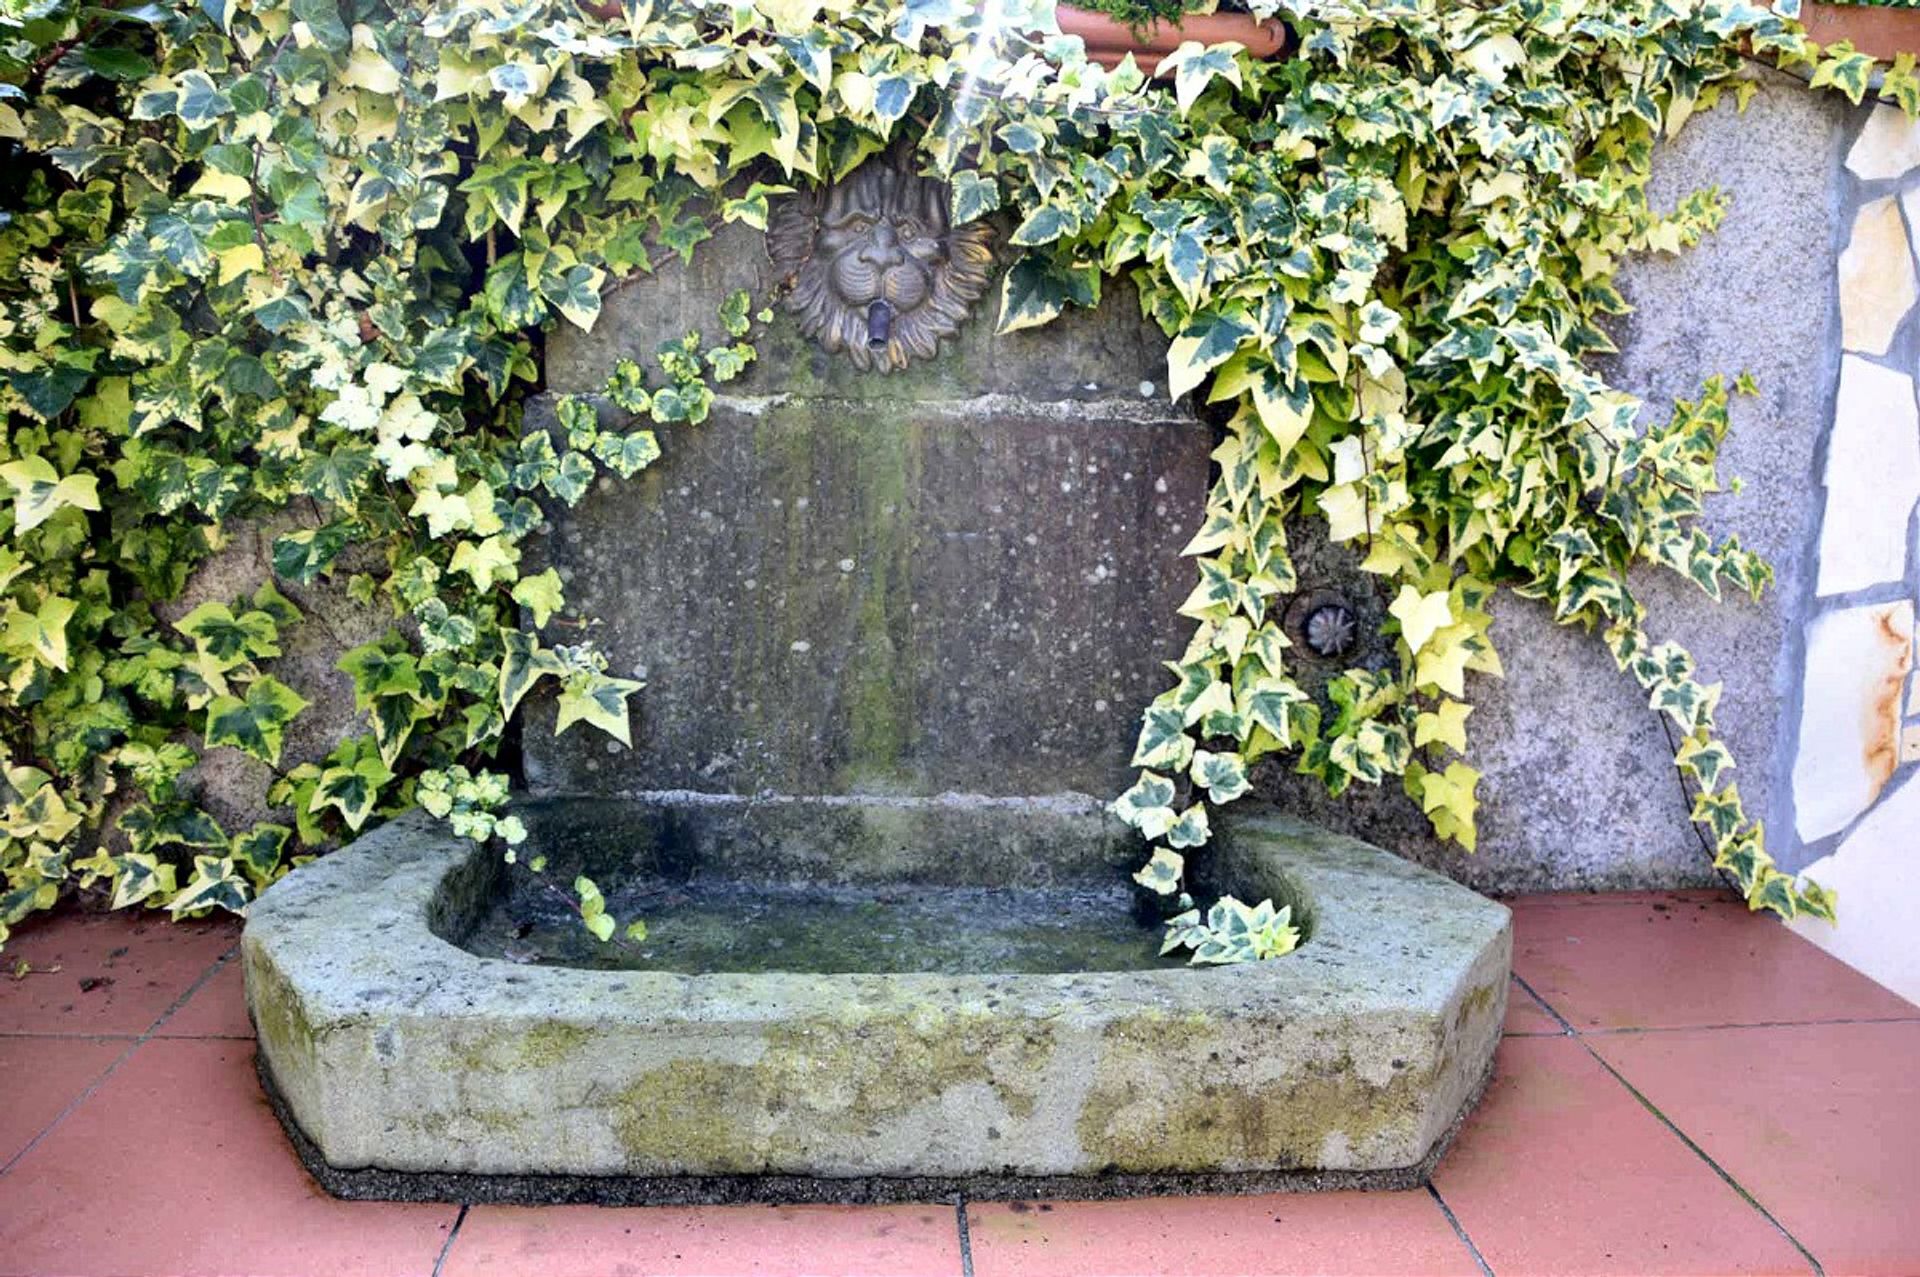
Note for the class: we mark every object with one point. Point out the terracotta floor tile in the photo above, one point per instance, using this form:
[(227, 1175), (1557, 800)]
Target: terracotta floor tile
[(118, 973), (1664, 963), (176, 1168), (43, 1076), (1589, 899), (1327, 1233), (712, 1241), (1562, 1171), (217, 1009), (1819, 1122), (1525, 1015)]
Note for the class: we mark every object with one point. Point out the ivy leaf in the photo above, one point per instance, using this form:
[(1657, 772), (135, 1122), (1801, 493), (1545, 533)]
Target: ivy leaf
[(116, 64), (256, 724), (574, 475), (173, 825), (1708, 759), (627, 454), (973, 196), (1446, 725), (258, 851), (1421, 616), (230, 639), (1147, 806), (303, 556), (215, 884), (140, 876), (1037, 289), (892, 95), (599, 701), (200, 100), (575, 293), (1164, 742), (1205, 343), (1223, 776), (352, 787), (40, 634), (1191, 829), (752, 207), (379, 671), (485, 561), (593, 909), (39, 491), (1448, 799), (323, 19), (1187, 266), (1845, 69), (523, 663), (1162, 873), (541, 594), (338, 474), (1044, 225)]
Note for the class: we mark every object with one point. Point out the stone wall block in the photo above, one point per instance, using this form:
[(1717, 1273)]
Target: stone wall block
[(1872, 478), (1888, 146), (1876, 874), (1856, 668), (1876, 278)]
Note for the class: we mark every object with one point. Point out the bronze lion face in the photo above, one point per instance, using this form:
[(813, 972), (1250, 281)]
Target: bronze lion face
[(878, 271)]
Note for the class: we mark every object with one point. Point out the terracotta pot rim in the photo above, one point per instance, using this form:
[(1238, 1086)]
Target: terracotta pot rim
[(1108, 39), (1878, 30)]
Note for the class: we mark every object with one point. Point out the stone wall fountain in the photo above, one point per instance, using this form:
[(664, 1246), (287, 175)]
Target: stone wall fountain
[(899, 602)]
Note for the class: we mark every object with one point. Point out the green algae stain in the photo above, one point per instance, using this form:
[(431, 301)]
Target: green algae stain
[(280, 1017), (821, 1087), (883, 454), (1149, 1111), (551, 1043), (846, 479)]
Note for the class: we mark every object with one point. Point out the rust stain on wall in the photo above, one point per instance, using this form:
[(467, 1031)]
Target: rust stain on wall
[(1882, 729)]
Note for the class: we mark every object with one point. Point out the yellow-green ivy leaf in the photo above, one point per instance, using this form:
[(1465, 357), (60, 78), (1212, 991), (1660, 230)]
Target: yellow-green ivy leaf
[(257, 724), (39, 491)]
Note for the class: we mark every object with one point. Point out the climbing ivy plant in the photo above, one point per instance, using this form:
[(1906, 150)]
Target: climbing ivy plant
[(284, 264)]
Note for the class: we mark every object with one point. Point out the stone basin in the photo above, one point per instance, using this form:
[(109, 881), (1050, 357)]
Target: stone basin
[(901, 1022)]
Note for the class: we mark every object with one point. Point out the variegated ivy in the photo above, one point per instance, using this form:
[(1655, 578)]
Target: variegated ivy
[(288, 259)]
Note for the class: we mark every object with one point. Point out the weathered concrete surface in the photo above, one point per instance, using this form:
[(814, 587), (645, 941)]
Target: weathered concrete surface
[(959, 577), (392, 1048), (1579, 789)]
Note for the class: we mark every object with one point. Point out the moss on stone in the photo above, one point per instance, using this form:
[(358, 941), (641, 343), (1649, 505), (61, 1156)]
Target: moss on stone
[(818, 1081), (879, 683), (1147, 1110), (550, 1043), (280, 1017)]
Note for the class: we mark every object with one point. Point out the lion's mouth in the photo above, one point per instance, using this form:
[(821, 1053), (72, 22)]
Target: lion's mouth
[(902, 287), (879, 324)]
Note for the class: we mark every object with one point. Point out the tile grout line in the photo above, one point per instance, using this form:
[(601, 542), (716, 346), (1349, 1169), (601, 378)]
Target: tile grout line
[(1629, 1030), (446, 1248), (1678, 1134), (1566, 1030), (1460, 1230), (966, 1237), (120, 1059)]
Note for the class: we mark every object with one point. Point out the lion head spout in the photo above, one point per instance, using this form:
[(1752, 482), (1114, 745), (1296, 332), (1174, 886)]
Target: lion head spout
[(878, 271)]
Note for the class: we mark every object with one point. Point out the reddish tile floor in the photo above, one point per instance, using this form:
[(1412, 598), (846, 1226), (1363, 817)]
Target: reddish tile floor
[(1693, 1090)]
